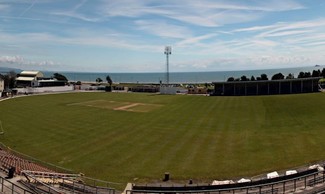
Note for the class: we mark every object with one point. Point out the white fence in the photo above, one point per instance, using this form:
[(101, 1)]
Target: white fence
[(30, 90), (172, 90)]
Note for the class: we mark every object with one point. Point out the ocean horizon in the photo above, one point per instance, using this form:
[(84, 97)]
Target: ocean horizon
[(179, 77)]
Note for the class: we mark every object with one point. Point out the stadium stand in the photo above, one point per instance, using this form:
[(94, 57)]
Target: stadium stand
[(61, 183), (35, 178)]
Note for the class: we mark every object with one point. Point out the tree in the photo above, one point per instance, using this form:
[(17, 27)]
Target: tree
[(301, 75), (277, 76), (109, 80), (253, 78), (264, 77), (323, 72), (290, 76), (60, 77), (304, 75), (99, 80), (231, 79), (9, 80), (244, 78), (316, 73), (307, 74)]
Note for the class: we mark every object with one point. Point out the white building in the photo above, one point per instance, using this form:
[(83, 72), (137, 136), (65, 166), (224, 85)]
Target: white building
[(34, 82), (29, 78)]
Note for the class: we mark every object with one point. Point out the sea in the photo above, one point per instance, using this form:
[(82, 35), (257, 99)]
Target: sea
[(179, 77)]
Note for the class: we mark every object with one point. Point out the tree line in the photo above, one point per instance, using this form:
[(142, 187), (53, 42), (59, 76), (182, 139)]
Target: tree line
[(280, 76)]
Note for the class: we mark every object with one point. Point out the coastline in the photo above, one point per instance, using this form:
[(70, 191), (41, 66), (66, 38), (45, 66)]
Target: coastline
[(178, 77)]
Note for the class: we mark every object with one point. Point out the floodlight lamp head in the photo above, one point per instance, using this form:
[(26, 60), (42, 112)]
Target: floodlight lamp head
[(168, 50)]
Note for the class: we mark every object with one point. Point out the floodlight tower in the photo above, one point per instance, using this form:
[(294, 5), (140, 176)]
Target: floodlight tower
[(168, 51)]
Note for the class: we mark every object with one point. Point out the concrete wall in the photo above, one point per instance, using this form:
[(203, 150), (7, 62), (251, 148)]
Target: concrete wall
[(172, 90), (2, 85)]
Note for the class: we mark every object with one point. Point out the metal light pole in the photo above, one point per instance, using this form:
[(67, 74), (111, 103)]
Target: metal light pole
[(168, 51)]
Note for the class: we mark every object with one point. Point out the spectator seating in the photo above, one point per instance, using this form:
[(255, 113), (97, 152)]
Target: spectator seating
[(8, 160)]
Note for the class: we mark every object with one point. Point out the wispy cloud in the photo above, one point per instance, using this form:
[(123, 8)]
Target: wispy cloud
[(28, 8), (288, 33), (271, 5), (205, 35), (86, 39), (285, 36), (163, 29), (204, 13), (4, 7), (75, 15), (195, 40)]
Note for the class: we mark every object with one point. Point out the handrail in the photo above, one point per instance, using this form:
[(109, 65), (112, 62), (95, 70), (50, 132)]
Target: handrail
[(12, 186)]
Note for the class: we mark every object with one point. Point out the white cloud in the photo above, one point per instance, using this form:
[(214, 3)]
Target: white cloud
[(21, 62), (11, 59)]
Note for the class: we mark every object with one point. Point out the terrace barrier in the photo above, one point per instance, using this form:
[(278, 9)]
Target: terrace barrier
[(300, 180)]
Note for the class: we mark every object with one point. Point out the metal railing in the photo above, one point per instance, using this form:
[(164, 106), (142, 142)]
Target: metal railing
[(9, 187)]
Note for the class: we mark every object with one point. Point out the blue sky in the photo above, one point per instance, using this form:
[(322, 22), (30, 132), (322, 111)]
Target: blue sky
[(130, 35)]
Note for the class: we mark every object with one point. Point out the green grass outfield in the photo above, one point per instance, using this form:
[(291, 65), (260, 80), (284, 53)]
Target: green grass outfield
[(123, 136)]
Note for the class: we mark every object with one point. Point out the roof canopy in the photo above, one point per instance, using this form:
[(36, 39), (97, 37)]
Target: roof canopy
[(31, 74), (21, 78)]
